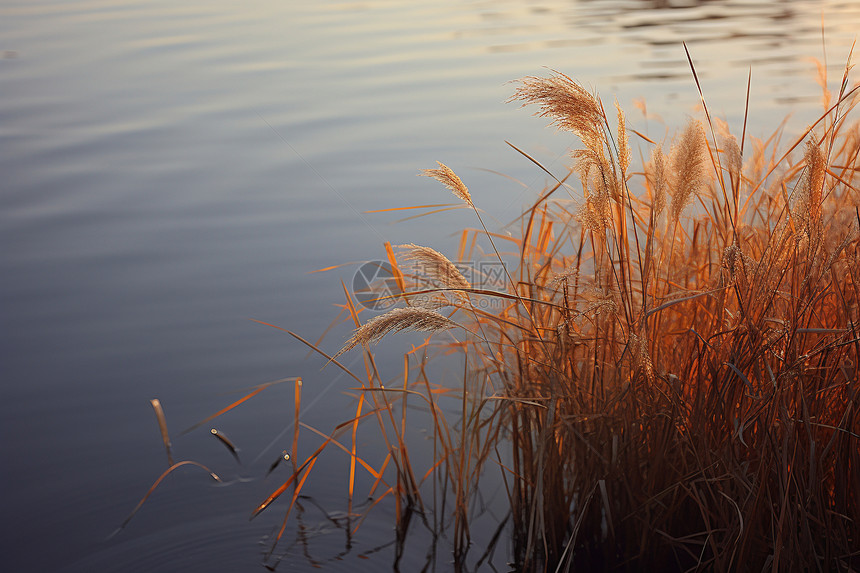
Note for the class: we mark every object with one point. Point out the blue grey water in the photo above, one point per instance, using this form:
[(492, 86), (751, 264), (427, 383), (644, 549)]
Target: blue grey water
[(171, 171)]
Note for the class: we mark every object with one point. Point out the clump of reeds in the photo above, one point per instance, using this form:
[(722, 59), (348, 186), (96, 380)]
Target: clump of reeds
[(669, 381)]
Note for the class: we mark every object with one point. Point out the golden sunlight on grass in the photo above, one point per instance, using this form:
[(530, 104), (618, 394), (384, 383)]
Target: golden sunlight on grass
[(665, 370), (673, 365)]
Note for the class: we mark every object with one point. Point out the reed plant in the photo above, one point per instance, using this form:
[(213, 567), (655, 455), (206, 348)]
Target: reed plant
[(667, 379)]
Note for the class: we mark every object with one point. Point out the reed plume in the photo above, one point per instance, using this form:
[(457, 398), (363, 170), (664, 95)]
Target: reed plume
[(438, 269), (734, 158), (808, 208), (656, 173), (623, 143), (688, 166), (413, 318), (449, 179), (567, 104)]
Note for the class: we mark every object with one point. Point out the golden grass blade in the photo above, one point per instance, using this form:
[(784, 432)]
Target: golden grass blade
[(335, 321), (436, 206), (643, 136), (841, 180), (405, 397), (358, 459), (545, 236), (746, 112), (536, 162), (434, 212), (277, 493), (332, 267), (338, 430), (241, 400), (421, 346), (395, 268), (313, 347), (162, 426), (167, 472), (296, 493), (381, 472), (502, 237), (717, 164), (683, 299)]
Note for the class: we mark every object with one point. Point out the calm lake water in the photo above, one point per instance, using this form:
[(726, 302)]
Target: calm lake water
[(172, 170)]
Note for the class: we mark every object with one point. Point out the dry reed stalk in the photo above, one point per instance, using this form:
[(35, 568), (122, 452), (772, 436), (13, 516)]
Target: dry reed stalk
[(162, 426)]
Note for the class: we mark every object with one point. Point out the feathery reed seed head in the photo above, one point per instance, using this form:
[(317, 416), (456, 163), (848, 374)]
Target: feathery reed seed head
[(437, 268), (688, 165), (812, 185), (623, 143), (450, 180), (734, 160), (568, 105), (657, 177), (412, 318)]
